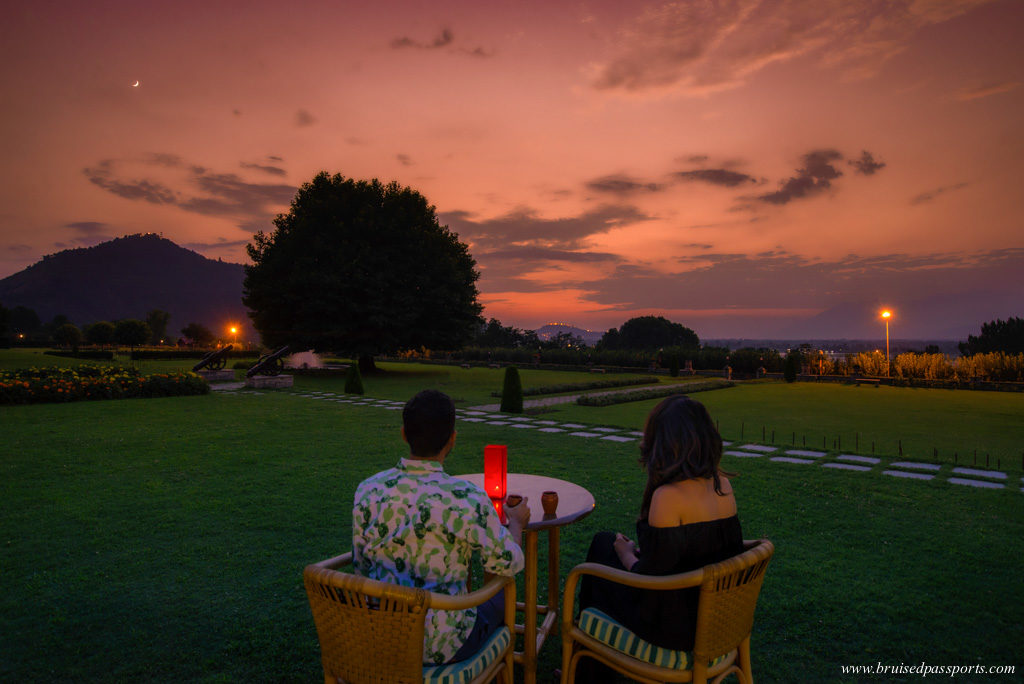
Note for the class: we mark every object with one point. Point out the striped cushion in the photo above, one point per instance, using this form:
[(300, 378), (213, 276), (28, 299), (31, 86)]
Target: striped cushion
[(608, 631), (465, 670)]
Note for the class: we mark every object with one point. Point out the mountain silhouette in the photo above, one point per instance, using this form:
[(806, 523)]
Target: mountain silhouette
[(126, 278)]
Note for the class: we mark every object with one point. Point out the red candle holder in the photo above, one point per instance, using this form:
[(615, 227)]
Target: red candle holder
[(496, 475)]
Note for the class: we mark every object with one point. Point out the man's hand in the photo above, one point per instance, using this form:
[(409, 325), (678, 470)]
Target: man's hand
[(626, 549), (518, 517)]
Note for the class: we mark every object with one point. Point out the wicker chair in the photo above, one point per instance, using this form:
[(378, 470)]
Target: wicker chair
[(372, 631), (725, 616)]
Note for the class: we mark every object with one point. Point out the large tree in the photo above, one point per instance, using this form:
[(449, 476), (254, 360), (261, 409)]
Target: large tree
[(996, 336), (132, 332), (157, 320), (649, 332), (361, 268)]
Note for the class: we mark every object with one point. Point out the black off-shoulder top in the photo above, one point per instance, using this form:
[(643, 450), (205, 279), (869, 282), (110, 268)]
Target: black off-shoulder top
[(664, 618)]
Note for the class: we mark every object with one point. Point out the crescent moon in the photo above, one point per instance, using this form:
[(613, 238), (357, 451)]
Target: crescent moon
[(135, 85)]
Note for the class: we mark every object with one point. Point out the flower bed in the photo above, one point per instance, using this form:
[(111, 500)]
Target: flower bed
[(46, 385)]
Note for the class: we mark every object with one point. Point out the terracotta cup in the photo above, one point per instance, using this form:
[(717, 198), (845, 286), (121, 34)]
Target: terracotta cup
[(549, 500), (513, 500)]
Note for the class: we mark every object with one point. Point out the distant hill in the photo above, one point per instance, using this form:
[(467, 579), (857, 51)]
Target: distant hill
[(546, 332), (126, 278)]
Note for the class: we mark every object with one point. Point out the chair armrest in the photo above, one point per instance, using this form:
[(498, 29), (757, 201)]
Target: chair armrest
[(474, 598), (682, 580), (334, 563)]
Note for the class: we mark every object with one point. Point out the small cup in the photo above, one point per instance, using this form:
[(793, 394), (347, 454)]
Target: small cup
[(513, 500), (549, 501)]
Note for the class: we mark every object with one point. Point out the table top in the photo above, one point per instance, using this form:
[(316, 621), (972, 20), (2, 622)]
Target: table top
[(574, 502)]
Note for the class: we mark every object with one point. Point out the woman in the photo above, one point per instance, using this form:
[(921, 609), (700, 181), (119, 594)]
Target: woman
[(687, 520)]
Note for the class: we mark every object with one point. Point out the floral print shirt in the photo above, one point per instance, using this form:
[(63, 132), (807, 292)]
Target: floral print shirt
[(417, 526)]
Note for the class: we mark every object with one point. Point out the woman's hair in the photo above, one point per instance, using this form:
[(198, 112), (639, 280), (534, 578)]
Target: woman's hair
[(680, 443)]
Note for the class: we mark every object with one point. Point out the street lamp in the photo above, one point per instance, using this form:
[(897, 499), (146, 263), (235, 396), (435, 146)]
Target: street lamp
[(886, 315), (234, 331)]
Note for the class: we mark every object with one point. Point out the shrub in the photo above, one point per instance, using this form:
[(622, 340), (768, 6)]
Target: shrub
[(792, 366), (91, 354), (653, 393), (578, 386), (353, 380), (512, 392), (673, 366)]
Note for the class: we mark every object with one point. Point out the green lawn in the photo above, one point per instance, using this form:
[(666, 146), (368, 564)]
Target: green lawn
[(165, 538)]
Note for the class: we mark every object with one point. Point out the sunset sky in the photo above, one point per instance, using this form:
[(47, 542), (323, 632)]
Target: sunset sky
[(744, 168)]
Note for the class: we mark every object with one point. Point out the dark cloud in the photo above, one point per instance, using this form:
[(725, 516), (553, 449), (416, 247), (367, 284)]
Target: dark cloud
[(478, 52), (87, 227), (236, 112), (151, 192), (444, 38), (89, 233), (524, 227), (164, 159), (224, 194), (535, 253), (404, 159), (926, 197), (221, 243), (724, 177), (814, 177), (272, 170), (230, 195), (779, 278), (693, 159), (274, 158), (621, 184), (866, 165), (18, 249), (304, 118)]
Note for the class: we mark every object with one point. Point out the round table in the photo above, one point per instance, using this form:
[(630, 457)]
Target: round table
[(574, 503)]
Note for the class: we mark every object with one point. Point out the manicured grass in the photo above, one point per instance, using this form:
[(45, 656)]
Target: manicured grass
[(165, 538)]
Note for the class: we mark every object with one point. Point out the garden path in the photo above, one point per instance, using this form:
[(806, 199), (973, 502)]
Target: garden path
[(854, 463)]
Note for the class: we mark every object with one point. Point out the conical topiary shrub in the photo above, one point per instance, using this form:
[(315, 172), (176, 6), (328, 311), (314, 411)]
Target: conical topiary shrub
[(791, 368), (512, 392), (353, 380)]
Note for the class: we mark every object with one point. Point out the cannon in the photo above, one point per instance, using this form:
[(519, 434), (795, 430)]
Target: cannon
[(215, 360), (269, 364)]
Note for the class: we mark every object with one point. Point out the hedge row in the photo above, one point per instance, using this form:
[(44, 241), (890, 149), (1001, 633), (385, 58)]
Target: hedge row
[(47, 385), (578, 386), (89, 354), (653, 393), (157, 354)]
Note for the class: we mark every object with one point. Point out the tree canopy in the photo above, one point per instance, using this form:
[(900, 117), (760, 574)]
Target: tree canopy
[(649, 332), (132, 332), (360, 267), (68, 335), (198, 333), (100, 332), (996, 336), (157, 320)]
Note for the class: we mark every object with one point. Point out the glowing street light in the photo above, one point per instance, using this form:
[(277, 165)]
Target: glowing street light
[(886, 315), (234, 331)]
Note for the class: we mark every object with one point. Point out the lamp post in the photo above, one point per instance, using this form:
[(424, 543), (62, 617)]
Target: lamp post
[(234, 331), (886, 315)]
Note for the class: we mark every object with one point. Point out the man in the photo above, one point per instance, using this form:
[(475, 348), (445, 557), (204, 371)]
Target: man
[(417, 526)]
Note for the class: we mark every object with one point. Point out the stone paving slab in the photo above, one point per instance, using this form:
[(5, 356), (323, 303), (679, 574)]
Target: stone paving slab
[(585, 434), (497, 422), (994, 474), (903, 473), (524, 425), (619, 438), (475, 413), (551, 429), (575, 426), (227, 386), (790, 459), (742, 454), (804, 452), (859, 459), (522, 419), (605, 429), (914, 466), (759, 447), (976, 483), (472, 420), (640, 434), (846, 466), (546, 422)]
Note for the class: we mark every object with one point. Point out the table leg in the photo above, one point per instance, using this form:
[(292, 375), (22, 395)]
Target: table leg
[(530, 610), (553, 551)]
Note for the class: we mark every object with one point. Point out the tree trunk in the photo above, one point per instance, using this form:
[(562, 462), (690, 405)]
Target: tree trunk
[(366, 364)]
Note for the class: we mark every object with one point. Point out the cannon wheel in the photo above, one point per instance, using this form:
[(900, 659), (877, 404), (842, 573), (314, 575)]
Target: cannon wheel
[(274, 367), (217, 364)]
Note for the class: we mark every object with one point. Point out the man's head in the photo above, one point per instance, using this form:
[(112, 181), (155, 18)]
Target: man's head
[(428, 423)]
